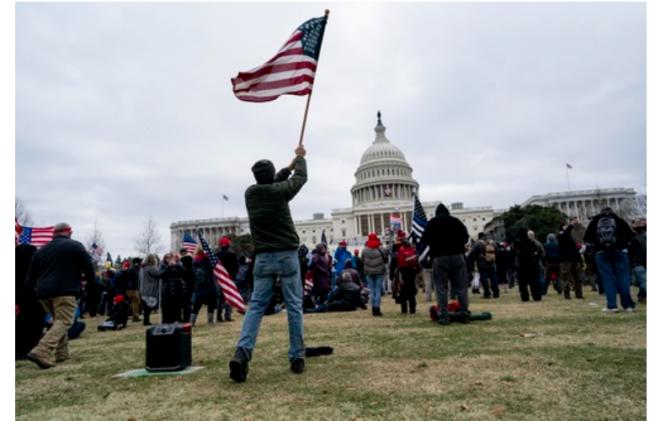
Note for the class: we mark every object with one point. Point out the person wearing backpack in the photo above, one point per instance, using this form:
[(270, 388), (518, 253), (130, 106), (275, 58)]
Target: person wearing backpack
[(407, 268), (611, 236)]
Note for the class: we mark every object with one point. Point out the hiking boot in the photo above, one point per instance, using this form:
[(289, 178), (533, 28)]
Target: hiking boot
[(239, 366), (41, 362), (298, 365)]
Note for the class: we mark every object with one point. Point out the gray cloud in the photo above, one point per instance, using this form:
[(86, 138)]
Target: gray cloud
[(125, 110)]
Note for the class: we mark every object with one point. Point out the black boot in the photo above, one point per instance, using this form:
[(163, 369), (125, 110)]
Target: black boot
[(239, 366), (378, 312)]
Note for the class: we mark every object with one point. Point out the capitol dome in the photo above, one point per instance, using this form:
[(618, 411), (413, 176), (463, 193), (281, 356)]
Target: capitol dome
[(383, 174)]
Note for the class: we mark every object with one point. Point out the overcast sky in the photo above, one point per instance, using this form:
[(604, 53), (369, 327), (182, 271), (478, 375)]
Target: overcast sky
[(125, 111)]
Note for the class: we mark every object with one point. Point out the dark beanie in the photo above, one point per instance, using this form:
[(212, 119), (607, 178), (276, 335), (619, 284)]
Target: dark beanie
[(442, 210), (264, 171)]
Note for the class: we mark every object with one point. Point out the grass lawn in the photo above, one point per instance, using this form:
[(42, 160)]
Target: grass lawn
[(557, 359)]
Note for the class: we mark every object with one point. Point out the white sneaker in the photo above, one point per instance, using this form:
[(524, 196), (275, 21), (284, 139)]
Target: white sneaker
[(630, 309), (610, 310)]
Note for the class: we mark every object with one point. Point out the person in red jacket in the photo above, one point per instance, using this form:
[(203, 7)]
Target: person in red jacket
[(407, 267)]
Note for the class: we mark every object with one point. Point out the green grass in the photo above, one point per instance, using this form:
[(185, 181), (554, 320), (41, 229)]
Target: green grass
[(556, 359)]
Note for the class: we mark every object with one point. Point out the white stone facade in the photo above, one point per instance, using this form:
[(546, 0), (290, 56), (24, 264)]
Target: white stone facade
[(585, 204)]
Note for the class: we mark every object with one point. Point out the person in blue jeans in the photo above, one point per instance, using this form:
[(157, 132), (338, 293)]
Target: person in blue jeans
[(276, 254), (374, 258), (611, 236)]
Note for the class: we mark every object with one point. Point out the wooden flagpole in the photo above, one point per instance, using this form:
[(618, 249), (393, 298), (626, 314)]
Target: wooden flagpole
[(304, 118)]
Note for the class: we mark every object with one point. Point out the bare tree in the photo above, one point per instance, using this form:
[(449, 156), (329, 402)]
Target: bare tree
[(641, 200), (22, 214), (148, 240), (630, 209)]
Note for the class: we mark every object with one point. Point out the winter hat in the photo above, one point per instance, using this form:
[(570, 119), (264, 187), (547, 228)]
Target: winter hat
[(401, 235), (343, 243), (118, 299), (224, 242), (303, 250), (126, 265), (264, 171), (356, 252), (442, 210), (373, 242), (199, 256)]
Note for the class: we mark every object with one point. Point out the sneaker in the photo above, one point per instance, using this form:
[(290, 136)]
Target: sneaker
[(610, 310), (38, 360), (298, 365), (239, 366), (630, 309)]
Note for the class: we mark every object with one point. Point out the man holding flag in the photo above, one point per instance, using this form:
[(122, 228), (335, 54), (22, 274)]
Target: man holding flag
[(276, 254)]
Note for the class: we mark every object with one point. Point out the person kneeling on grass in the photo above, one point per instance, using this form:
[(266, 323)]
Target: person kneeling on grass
[(276, 255)]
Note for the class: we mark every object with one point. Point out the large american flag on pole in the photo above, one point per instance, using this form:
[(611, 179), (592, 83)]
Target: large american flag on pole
[(228, 287), (36, 236), (291, 71), (418, 225)]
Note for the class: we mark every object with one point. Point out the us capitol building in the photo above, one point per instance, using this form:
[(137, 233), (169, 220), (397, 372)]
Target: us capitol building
[(384, 187)]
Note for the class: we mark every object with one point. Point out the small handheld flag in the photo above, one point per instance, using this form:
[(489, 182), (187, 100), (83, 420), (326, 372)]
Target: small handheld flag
[(189, 243), (225, 282)]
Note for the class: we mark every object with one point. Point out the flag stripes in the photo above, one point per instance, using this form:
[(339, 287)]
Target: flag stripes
[(223, 279), (290, 71), (36, 236)]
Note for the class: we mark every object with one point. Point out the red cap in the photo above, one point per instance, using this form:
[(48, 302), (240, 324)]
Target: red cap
[(118, 299), (224, 242), (126, 264), (401, 234), (343, 243)]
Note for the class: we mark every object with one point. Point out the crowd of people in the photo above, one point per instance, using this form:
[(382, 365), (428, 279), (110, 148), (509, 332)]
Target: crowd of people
[(60, 280)]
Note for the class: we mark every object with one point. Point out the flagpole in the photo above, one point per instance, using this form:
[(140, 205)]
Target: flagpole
[(568, 182), (304, 118)]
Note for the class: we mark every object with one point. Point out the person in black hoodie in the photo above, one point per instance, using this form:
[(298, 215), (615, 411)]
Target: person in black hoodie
[(527, 262), (56, 272), (446, 237), (173, 289), (229, 261), (187, 263), (570, 261)]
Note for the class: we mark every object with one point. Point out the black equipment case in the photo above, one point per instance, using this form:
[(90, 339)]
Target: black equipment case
[(169, 347)]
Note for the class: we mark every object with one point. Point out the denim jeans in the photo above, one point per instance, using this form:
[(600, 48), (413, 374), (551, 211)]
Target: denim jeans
[(640, 275), (375, 282), (268, 266), (614, 270)]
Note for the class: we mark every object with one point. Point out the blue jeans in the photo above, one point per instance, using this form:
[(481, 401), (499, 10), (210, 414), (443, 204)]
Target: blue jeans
[(268, 266), (375, 284), (640, 275), (614, 269)]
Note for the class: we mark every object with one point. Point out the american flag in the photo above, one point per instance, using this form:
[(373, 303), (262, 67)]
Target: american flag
[(228, 287), (309, 283), (32, 235), (291, 71), (418, 225), (189, 243)]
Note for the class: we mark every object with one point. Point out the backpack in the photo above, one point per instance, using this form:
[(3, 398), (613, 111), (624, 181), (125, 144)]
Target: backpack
[(490, 253), (606, 231), (407, 258)]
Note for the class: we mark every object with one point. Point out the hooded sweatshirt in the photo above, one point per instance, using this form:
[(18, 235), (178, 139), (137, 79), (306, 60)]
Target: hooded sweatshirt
[(445, 235), (267, 203)]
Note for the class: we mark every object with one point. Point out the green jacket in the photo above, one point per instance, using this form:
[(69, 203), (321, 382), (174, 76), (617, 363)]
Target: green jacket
[(268, 210)]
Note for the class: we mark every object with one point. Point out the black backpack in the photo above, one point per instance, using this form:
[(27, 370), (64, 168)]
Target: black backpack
[(606, 231)]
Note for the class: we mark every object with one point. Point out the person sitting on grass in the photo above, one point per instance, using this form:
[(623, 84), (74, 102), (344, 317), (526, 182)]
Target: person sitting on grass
[(346, 295), (119, 315)]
